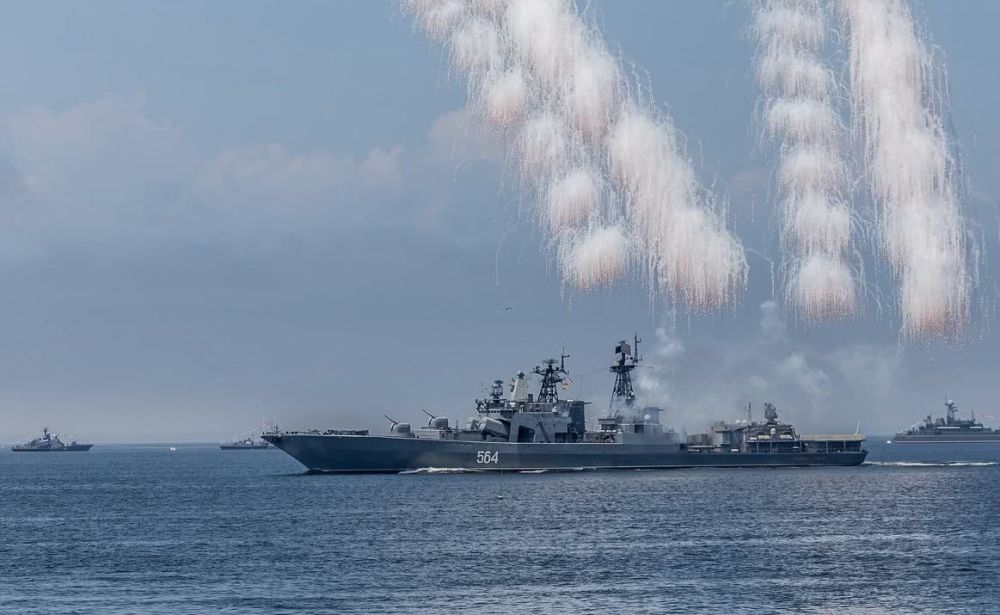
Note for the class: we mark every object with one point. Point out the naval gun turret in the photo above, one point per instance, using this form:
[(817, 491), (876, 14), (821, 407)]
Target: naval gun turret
[(398, 428), (436, 422)]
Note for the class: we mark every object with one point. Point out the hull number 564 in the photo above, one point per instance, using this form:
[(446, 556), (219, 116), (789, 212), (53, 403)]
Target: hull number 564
[(487, 457)]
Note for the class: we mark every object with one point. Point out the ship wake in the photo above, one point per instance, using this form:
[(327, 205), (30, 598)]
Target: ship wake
[(932, 464), (442, 471)]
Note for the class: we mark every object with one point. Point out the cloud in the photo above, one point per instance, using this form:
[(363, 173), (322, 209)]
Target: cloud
[(106, 170), (11, 182), (269, 188), (104, 152), (380, 170), (272, 174), (461, 136)]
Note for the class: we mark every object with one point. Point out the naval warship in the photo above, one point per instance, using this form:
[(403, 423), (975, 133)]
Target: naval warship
[(49, 443), (949, 429), (244, 444), (514, 430)]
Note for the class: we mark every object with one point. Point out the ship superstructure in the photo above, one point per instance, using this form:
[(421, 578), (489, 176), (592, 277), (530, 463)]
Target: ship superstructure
[(771, 436), (49, 442), (949, 428), (245, 444), (515, 430)]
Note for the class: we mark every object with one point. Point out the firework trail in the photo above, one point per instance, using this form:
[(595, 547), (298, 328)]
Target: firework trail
[(898, 107), (613, 178), (800, 115)]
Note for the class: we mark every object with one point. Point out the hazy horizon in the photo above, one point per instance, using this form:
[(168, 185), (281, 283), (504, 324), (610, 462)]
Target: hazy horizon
[(218, 213)]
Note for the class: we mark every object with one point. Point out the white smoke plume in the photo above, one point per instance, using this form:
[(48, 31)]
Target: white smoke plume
[(615, 183), (699, 381), (801, 117), (898, 106)]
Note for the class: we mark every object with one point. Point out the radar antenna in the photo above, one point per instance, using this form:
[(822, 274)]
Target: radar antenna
[(952, 408), (495, 400), (552, 375), (770, 413), (496, 391), (622, 368)]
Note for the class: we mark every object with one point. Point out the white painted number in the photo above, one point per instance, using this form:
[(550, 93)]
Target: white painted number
[(487, 457)]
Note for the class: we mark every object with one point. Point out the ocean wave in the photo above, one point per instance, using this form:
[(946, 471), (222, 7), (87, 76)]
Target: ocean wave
[(933, 464)]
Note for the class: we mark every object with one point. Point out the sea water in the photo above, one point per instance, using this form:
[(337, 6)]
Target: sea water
[(144, 529)]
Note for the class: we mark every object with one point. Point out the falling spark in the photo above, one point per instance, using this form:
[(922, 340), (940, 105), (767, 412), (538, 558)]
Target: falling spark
[(898, 109), (572, 200), (595, 259), (801, 117), (542, 75)]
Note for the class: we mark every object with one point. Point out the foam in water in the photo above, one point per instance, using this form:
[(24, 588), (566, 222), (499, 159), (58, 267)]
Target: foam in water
[(431, 470)]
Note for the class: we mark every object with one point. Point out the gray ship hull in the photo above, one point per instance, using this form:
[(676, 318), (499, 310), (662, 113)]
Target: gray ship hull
[(69, 448), (949, 438), (387, 454)]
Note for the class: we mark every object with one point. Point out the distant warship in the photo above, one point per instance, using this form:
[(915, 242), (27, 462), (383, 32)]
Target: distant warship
[(949, 429), (49, 443), (244, 444), (522, 432)]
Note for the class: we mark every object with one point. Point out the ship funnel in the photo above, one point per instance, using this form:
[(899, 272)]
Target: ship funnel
[(519, 387)]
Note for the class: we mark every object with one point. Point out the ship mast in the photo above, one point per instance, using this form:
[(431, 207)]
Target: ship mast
[(622, 369), (551, 375)]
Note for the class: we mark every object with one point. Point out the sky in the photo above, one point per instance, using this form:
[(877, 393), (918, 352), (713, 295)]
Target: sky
[(212, 214)]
